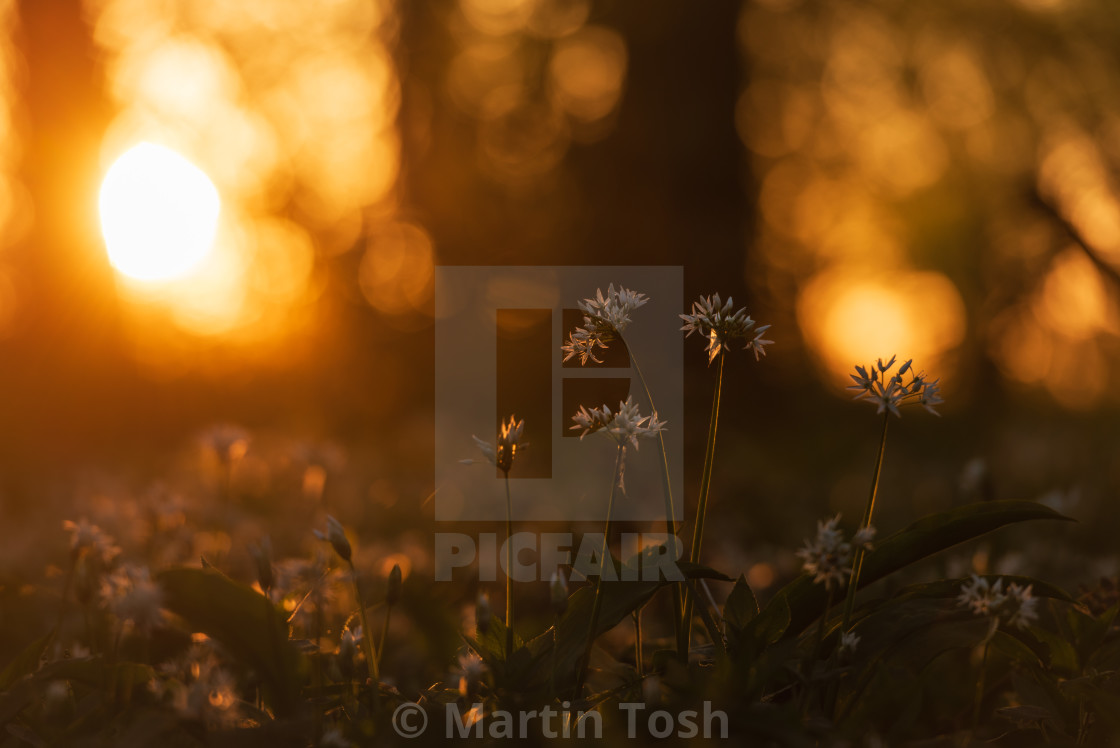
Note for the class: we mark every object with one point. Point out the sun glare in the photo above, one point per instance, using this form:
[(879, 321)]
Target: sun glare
[(159, 213)]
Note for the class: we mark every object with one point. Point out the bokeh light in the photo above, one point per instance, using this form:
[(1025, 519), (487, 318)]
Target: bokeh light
[(159, 213)]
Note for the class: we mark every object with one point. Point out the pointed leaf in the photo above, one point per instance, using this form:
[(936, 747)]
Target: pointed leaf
[(243, 620), (920, 540)]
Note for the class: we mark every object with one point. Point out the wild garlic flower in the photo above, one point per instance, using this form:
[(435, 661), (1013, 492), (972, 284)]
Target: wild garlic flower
[(470, 673), (604, 318), (849, 640), (88, 538), (828, 558), (716, 321), (1016, 606), (890, 393), (509, 439), (131, 595), (624, 427)]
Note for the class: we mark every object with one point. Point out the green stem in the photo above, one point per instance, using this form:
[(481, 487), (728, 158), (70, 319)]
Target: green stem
[(857, 559), (810, 661), (983, 673), (670, 511), (638, 641), (702, 507), (509, 571), (597, 605), (367, 638), (384, 631)]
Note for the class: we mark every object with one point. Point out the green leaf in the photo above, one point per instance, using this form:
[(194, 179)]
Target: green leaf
[(920, 540), (620, 599), (244, 621), (26, 662), (741, 606)]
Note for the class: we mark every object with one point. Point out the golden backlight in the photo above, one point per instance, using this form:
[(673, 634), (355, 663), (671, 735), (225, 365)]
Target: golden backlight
[(159, 213)]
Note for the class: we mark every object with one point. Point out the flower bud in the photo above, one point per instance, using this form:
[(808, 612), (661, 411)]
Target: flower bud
[(394, 592), (337, 538)]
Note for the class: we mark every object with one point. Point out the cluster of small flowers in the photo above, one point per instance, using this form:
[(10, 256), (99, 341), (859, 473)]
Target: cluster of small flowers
[(828, 558), (199, 687), (1015, 606), (716, 321), (889, 393), (624, 426), (604, 317), (130, 593)]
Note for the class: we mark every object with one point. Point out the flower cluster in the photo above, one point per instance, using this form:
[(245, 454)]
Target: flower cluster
[(624, 426), (716, 321), (87, 539), (509, 439), (604, 318), (130, 593), (889, 393), (828, 558), (1015, 606)]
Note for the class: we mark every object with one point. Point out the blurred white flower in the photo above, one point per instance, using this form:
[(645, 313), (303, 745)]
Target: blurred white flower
[(849, 640), (89, 538), (716, 321), (828, 558), (131, 595), (1016, 606)]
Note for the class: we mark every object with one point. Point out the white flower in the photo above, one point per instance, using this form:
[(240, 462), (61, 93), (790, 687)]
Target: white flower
[(1016, 606), (717, 322), (604, 318), (849, 640), (88, 537), (624, 427), (614, 309), (130, 594), (889, 393), (509, 439), (828, 558), (470, 672), (1020, 607), (864, 536)]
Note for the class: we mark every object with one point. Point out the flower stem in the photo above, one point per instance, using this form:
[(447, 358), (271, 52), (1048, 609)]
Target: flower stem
[(384, 631), (857, 558), (597, 605), (509, 571), (983, 673), (701, 510), (638, 641), (367, 634), (667, 489), (810, 661)]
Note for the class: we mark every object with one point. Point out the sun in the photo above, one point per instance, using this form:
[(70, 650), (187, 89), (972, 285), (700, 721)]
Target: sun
[(159, 213)]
